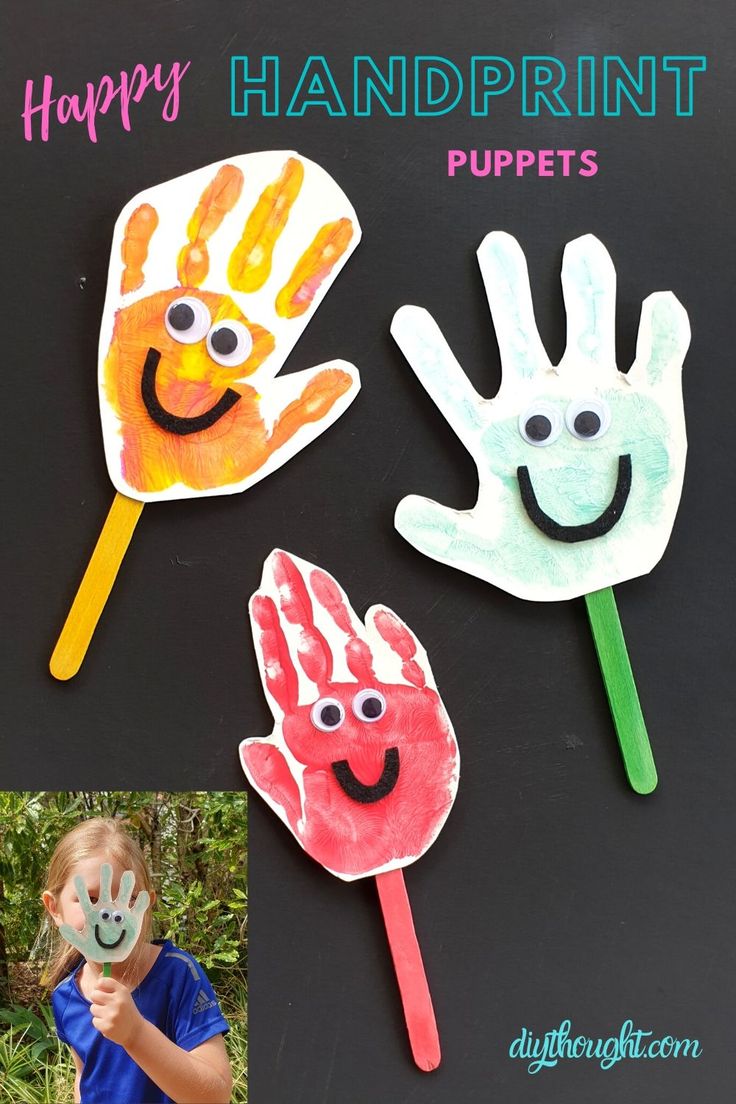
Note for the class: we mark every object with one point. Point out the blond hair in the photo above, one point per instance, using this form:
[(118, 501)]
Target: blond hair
[(107, 839)]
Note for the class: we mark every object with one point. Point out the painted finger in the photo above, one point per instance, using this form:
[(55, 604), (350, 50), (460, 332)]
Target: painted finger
[(268, 772), (299, 413), (306, 403), (137, 235), (127, 885), (450, 536), (663, 341), (142, 902), (589, 290), (279, 676), (216, 201), (105, 883), (295, 605), (506, 278), (423, 344), (314, 266), (332, 598), (82, 894), (250, 263), (383, 623), (71, 935)]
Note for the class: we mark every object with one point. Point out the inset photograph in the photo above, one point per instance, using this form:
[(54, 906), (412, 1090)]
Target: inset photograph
[(123, 947)]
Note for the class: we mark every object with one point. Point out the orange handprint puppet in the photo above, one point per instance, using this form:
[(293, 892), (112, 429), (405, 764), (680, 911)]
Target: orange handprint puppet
[(213, 277)]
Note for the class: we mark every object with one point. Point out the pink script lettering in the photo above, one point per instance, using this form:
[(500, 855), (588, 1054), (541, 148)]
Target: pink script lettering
[(99, 98)]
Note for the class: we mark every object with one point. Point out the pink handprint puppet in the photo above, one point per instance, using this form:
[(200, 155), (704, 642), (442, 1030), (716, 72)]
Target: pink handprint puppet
[(362, 765)]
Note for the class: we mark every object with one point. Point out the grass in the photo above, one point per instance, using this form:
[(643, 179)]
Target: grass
[(35, 1068)]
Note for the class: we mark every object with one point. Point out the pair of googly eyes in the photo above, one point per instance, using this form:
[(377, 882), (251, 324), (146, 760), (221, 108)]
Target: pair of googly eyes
[(107, 914), (328, 713), (187, 320), (542, 423)]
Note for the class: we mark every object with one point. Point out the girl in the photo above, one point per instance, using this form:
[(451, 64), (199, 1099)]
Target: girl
[(151, 1033)]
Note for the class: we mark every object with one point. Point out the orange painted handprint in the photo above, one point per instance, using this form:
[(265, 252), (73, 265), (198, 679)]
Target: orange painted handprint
[(188, 401), (173, 378)]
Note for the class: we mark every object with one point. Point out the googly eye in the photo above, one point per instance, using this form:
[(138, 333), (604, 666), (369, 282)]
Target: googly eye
[(105, 914), (118, 917), (327, 714), (540, 424), (369, 705), (229, 343), (588, 419), (187, 320)]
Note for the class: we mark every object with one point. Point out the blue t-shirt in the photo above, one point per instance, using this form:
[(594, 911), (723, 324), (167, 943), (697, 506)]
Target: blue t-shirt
[(175, 995)]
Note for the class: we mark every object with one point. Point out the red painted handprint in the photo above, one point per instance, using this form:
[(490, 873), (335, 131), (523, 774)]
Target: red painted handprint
[(362, 765)]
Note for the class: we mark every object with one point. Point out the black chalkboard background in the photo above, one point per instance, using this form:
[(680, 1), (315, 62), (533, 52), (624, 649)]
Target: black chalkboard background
[(553, 892)]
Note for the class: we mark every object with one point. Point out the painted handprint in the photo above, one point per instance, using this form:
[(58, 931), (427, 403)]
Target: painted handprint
[(580, 466), (111, 927), (362, 765), (219, 272), (213, 277)]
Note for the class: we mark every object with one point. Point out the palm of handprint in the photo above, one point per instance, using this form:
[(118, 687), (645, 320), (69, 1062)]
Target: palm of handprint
[(111, 927), (362, 765), (178, 415), (580, 466)]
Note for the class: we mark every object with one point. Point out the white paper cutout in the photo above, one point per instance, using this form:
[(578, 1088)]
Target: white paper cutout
[(578, 480), (150, 463), (111, 927), (362, 795)]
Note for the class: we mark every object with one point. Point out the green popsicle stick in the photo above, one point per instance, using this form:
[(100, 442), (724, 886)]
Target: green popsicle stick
[(107, 969), (621, 690)]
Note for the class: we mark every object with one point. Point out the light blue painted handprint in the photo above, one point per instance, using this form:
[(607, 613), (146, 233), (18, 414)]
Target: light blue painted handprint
[(580, 466), (111, 926)]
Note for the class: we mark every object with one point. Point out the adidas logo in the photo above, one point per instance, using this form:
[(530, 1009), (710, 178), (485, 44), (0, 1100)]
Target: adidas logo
[(202, 1003)]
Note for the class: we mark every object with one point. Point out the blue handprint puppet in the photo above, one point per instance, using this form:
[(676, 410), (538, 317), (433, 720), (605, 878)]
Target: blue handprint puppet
[(111, 927), (580, 466)]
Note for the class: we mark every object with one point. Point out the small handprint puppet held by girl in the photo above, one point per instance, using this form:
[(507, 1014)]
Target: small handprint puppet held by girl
[(144, 1028)]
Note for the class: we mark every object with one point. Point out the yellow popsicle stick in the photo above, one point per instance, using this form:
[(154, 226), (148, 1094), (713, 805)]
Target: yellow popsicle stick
[(95, 587)]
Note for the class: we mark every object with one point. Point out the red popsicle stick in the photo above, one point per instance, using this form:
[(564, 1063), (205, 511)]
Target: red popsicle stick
[(415, 995)]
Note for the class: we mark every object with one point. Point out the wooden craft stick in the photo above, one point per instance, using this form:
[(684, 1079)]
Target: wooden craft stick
[(621, 690), (95, 587), (415, 995), (107, 969)]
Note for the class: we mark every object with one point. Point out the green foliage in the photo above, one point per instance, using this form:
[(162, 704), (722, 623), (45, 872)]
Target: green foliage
[(35, 1068), (37, 1030), (196, 845), (235, 1010)]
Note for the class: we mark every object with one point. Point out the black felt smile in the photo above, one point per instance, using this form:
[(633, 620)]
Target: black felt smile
[(172, 422), (366, 795), (108, 946), (572, 533)]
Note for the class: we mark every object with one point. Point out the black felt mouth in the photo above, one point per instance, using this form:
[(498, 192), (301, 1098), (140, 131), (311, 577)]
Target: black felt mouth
[(572, 533), (172, 422), (366, 795), (108, 946)]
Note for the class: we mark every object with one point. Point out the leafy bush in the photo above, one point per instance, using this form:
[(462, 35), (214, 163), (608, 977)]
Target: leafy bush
[(196, 845)]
